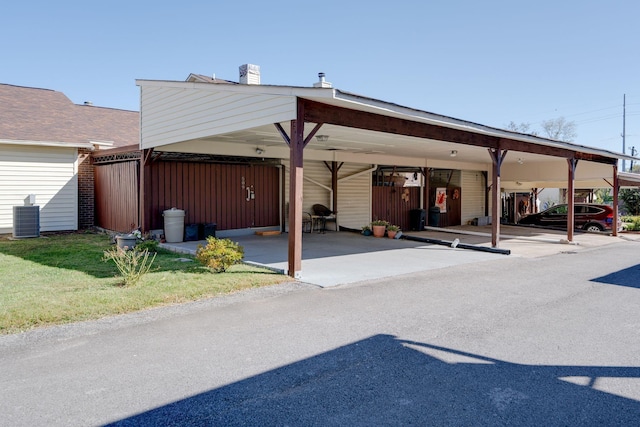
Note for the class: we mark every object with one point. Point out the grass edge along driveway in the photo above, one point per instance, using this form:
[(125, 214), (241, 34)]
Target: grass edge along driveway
[(61, 278)]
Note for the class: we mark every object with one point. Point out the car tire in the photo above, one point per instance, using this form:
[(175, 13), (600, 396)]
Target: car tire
[(593, 227)]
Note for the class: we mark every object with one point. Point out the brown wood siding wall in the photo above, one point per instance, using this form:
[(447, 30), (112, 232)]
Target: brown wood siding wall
[(116, 196), (453, 216), (388, 204), (214, 193)]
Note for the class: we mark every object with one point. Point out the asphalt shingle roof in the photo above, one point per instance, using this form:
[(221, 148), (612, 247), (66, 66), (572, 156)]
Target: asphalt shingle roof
[(33, 114)]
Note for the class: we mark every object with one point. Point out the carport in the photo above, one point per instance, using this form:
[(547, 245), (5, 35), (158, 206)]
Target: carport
[(334, 126)]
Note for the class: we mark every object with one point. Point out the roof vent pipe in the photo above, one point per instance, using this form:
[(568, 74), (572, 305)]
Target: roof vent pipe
[(321, 82)]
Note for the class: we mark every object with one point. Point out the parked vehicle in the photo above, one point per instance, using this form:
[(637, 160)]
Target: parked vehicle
[(589, 217)]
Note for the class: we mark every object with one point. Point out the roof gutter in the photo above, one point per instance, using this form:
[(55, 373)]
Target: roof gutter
[(87, 145)]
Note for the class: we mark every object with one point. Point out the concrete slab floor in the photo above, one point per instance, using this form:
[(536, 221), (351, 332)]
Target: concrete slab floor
[(336, 258)]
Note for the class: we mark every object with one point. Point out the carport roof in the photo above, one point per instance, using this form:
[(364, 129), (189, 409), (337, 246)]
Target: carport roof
[(347, 140)]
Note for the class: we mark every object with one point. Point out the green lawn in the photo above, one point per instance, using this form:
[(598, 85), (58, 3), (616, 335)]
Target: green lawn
[(61, 278)]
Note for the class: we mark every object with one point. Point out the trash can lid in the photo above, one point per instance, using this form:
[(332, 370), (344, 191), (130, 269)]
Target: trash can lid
[(173, 212)]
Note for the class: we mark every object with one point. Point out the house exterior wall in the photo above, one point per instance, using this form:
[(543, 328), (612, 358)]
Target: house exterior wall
[(472, 195), (86, 197), (354, 196), (354, 193), (174, 114), (316, 178), (48, 172)]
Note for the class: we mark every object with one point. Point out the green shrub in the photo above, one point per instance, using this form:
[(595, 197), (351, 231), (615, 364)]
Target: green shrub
[(149, 245), (633, 226), (132, 264), (219, 254)]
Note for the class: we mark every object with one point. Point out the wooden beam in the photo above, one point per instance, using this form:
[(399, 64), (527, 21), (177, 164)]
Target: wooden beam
[(322, 113), (616, 189), (571, 223), (296, 149), (282, 133), (535, 192), (334, 167), (497, 157), (317, 112), (487, 188), (283, 205), (144, 214), (425, 191)]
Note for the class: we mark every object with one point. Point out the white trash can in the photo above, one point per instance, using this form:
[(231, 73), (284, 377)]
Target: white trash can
[(173, 225)]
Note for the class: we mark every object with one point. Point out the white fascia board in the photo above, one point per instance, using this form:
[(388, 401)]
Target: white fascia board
[(627, 176), (87, 145), (294, 91)]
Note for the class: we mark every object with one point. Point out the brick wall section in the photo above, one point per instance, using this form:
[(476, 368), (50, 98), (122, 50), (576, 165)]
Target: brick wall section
[(85, 190)]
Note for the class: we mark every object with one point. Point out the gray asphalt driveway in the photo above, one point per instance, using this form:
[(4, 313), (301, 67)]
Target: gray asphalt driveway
[(511, 341)]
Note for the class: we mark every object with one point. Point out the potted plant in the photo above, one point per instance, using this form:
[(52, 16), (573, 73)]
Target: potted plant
[(129, 241), (379, 226), (366, 230), (392, 230)]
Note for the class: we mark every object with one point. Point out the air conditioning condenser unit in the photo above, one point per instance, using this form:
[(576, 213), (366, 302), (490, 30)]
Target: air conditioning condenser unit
[(26, 221)]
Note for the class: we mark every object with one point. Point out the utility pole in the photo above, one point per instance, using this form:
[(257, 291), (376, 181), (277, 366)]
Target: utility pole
[(624, 108)]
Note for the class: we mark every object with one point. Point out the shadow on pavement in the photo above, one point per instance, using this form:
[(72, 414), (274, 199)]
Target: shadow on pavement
[(628, 277), (383, 380)]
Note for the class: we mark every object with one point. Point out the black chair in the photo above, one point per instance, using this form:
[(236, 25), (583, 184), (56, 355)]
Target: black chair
[(324, 215), (307, 220)]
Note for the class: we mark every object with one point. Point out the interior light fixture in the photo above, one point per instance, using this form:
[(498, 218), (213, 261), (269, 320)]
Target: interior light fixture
[(454, 153), (322, 138), (520, 161), (259, 151)]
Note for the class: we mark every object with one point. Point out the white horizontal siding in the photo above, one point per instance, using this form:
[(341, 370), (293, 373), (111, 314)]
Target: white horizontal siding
[(314, 173), (354, 195), (172, 115), (47, 172), (472, 195)]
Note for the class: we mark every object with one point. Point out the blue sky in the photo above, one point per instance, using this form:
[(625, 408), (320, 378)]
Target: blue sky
[(489, 62)]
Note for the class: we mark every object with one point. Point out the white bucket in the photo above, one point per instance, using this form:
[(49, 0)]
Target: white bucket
[(173, 225)]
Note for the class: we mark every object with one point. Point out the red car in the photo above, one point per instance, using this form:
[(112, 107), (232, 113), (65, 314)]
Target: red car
[(588, 217)]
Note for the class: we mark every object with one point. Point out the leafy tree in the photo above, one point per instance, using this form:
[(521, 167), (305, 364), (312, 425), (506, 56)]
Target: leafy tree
[(560, 129), (604, 196), (521, 128), (631, 199)]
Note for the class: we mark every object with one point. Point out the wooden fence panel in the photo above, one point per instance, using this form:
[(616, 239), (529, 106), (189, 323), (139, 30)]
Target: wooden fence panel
[(215, 193), (394, 204), (116, 196)]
